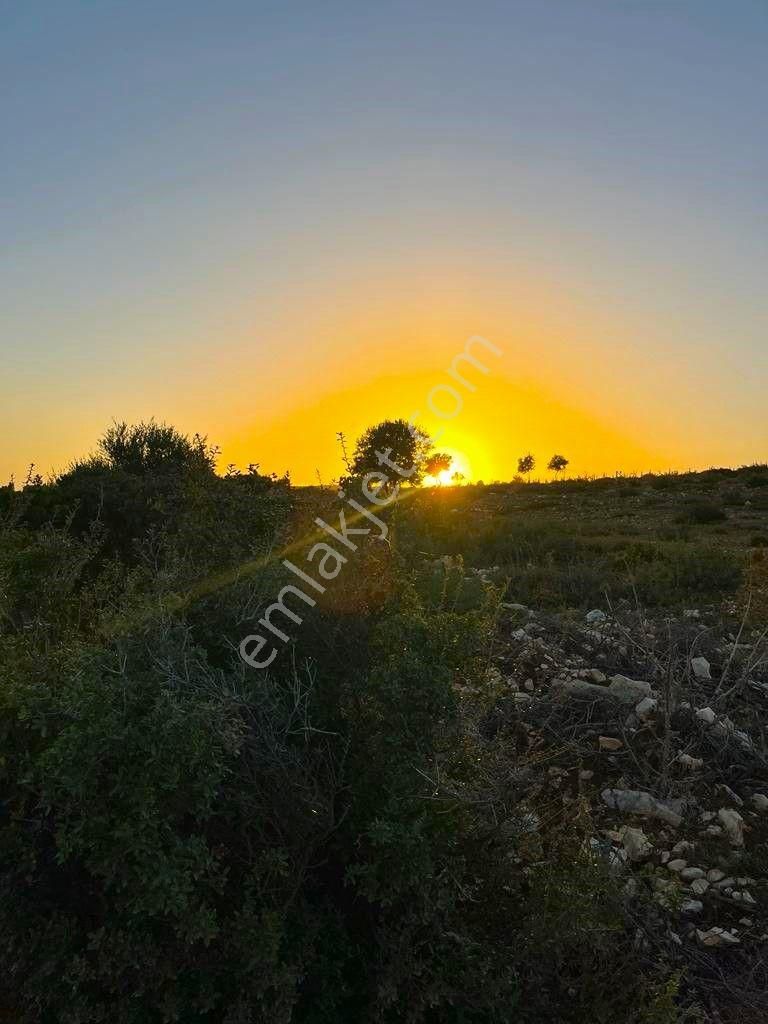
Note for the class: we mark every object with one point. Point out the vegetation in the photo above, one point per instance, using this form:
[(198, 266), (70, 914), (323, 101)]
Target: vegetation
[(184, 839)]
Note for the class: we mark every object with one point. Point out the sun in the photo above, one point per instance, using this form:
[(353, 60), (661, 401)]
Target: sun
[(445, 478)]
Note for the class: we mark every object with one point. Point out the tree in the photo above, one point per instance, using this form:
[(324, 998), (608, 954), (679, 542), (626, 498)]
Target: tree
[(458, 478), (394, 447), (526, 464), (437, 464), (557, 463)]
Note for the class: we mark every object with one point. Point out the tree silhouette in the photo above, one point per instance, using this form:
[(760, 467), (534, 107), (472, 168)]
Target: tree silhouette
[(526, 464), (437, 464), (557, 463), (392, 442)]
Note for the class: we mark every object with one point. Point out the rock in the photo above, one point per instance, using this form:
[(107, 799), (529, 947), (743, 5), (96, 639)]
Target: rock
[(630, 801), (747, 922), (691, 874), (733, 823), (725, 883), (628, 691), (646, 709), (596, 617), (701, 669), (715, 875), (730, 795), (692, 907), (677, 865), (585, 775), (760, 802), (636, 843), (609, 743), (693, 764), (707, 716), (699, 886), (716, 937), (745, 898), (594, 675), (682, 848), (519, 635)]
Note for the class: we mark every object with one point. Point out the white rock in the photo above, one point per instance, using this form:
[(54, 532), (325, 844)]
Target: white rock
[(693, 764), (701, 669), (716, 937), (596, 617), (733, 823), (646, 709), (760, 802), (682, 848), (725, 883), (707, 716), (636, 843), (691, 874), (677, 865), (699, 886), (627, 690), (519, 635), (631, 801), (692, 907), (715, 875)]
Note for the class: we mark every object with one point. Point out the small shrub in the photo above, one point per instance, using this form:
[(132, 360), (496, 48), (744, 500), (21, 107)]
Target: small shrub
[(702, 513)]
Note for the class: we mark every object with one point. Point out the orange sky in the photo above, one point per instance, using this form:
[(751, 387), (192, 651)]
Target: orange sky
[(269, 224)]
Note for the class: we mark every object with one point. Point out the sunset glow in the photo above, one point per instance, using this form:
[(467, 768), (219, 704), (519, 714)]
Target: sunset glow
[(272, 273)]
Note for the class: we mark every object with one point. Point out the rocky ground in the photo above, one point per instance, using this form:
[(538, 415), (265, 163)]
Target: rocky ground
[(658, 729)]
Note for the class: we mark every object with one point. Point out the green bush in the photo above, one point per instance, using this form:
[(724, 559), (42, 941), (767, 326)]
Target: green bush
[(702, 513)]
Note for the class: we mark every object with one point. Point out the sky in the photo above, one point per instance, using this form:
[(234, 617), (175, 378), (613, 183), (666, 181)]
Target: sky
[(271, 222)]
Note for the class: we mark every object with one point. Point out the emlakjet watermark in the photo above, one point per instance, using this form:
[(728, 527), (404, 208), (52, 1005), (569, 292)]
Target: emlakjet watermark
[(327, 560)]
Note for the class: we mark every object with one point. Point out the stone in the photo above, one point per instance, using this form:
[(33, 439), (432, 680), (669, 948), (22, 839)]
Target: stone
[(682, 848), (692, 907), (699, 886), (636, 843), (630, 801), (716, 937), (677, 865), (609, 743), (734, 798), (628, 691), (701, 669), (693, 764), (760, 802), (596, 617), (519, 635), (594, 675), (586, 774), (733, 823), (715, 875), (707, 716), (646, 709), (691, 874), (725, 883)]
